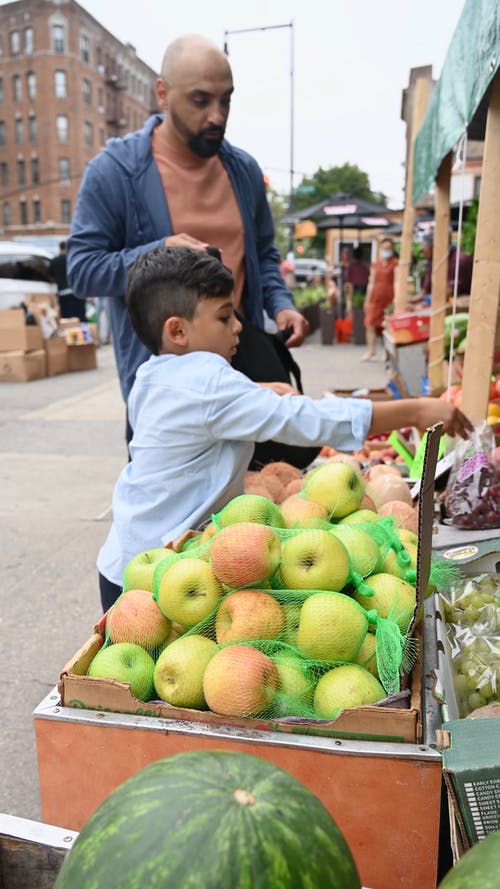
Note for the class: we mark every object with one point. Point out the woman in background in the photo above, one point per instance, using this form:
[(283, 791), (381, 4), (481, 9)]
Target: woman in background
[(379, 295)]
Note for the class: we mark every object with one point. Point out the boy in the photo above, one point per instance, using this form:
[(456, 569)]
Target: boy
[(196, 419)]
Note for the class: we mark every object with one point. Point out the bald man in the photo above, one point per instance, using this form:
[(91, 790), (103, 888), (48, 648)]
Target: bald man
[(178, 182)]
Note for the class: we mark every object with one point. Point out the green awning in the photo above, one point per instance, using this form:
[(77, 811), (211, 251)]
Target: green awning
[(472, 60)]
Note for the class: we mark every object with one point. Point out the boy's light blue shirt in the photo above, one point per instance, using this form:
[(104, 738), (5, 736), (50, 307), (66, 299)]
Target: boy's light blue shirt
[(195, 422)]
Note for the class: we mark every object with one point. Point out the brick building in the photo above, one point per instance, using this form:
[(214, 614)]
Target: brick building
[(66, 85)]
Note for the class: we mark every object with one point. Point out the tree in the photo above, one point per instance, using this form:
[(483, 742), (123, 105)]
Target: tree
[(279, 206), (347, 178)]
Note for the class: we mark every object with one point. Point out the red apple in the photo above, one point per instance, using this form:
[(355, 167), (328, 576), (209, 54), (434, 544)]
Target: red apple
[(249, 614), (245, 553), (240, 681), (136, 617)]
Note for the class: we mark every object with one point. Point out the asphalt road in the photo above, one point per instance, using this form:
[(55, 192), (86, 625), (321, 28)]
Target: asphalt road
[(61, 449)]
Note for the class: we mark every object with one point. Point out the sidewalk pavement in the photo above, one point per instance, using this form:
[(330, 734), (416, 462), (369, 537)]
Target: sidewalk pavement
[(61, 449)]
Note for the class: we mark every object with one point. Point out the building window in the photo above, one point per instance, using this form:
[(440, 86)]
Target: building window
[(66, 211), (84, 48), (3, 133), (37, 211), (4, 174), (60, 84), (64, 169), (88, 133), (1, 89), (31, 85), (101, 136), (29, 41), (58, 38), (35, 171), (98, 56), (15, 43), (17, 88), (62, 127), (23, 212), (19, 131), (7, 215), (33, 130), (21, 173), (87, 91)]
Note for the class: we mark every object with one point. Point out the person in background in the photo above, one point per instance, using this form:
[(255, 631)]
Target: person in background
[(69, 304), (464, 268), (178, 182), (357, 273), (196, 419), (379, 295)]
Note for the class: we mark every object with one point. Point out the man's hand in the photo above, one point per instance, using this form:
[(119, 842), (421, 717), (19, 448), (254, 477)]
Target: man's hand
[(183, 240), (437, 410), (280, 388), (299, 324)]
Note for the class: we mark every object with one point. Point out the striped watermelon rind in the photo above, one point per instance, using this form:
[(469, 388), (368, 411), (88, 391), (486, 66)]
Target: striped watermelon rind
[(479, 868), (210, 820)]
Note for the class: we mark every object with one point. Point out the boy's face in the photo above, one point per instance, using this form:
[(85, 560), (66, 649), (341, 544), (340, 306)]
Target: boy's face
[(214, 327)]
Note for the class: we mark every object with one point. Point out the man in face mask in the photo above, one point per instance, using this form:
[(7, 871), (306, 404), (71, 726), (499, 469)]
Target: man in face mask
[(178, 182), (379, 295)]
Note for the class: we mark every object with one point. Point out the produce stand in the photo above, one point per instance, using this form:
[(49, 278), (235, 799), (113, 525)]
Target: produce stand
[(385, 796)]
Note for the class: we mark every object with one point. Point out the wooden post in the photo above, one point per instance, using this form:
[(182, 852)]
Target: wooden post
[(421, 99), (439, 284), (485, 289)]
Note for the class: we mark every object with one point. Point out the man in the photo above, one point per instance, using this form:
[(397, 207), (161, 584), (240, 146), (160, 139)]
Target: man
[(69, 304), (178, 182), (464, 268)]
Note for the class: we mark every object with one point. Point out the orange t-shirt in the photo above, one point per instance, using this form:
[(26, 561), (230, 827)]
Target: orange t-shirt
[(202, 203)]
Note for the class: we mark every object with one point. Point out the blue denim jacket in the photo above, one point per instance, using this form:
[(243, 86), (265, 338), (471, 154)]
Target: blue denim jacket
[(121, 211)]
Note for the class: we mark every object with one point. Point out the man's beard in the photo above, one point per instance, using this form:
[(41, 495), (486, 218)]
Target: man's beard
[(197, 142)]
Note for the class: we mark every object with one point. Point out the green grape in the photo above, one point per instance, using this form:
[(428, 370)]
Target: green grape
[(476, 700), (460, 683)]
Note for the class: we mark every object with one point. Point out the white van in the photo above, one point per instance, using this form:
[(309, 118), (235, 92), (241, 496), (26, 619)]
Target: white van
[(24, 269)]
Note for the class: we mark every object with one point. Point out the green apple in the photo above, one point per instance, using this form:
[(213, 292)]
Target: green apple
[(294, 696), (240, 681), (245, 553), (363, 552), (188, 591), (393, 597), (251, 508), (136, 617), (292, 617), (314, 559), (390, 564), (138, 572), (359, 516), (337, 486), (249, 614), (331, 627), (367, 655), (407, 536), (345, 687), (178, 674), (296, 509), (126, 662)]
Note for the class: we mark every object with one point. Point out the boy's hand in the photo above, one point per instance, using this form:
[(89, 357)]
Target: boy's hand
[(281, 388), (436, 410)]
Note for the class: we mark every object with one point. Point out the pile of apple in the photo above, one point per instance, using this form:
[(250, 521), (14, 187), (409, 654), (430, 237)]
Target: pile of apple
[(472, 615), (271, 610)]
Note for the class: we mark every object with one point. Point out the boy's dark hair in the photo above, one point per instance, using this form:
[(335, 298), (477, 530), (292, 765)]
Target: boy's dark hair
[(171, 281)]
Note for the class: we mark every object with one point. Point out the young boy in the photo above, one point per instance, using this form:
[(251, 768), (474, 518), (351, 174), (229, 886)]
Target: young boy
[(196, 420)]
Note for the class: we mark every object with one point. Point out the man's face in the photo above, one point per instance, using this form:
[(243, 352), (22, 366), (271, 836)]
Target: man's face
[(197, 109), (214, 327)]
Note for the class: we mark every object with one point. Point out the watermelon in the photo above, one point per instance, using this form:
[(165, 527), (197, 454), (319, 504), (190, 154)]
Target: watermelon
[(479, 868), (210, 820)]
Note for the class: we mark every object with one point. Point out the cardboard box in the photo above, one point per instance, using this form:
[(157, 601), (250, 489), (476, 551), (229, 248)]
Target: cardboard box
[(82, 357), (68, 323), (471, 768), (57, 355), (16, 335), (408, 327), (48, 298), (20, 367)]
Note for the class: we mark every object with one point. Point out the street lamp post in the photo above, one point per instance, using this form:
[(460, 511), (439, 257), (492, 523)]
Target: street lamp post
[(292, 74)]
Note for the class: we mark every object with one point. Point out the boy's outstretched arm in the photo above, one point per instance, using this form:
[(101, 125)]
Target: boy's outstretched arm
[(419, 412)]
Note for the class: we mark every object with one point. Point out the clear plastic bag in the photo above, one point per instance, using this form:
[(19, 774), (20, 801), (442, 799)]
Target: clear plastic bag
[(472, 614), (472, 498)]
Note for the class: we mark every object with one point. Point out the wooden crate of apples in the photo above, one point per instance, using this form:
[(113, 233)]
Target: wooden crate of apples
[(291, 609)]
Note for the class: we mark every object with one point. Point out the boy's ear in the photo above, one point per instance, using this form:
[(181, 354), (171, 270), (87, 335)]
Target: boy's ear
[(174, 331)]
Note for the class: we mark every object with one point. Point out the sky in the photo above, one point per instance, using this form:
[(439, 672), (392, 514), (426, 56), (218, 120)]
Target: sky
[(352, 60)]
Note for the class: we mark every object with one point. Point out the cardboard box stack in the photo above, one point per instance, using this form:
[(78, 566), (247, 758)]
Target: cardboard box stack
[(22, 356)]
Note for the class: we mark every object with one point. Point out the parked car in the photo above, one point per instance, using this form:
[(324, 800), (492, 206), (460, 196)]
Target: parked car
[(24, 268), (309, 271)]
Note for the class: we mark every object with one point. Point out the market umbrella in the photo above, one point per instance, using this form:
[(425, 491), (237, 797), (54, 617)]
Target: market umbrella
[(336, 206)]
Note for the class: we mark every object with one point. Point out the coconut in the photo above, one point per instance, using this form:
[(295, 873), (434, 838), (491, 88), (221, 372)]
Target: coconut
[(387, 487), (284, 471), (405, 516), (293, 487), (349, 459), (381, 469), (275, 489)]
